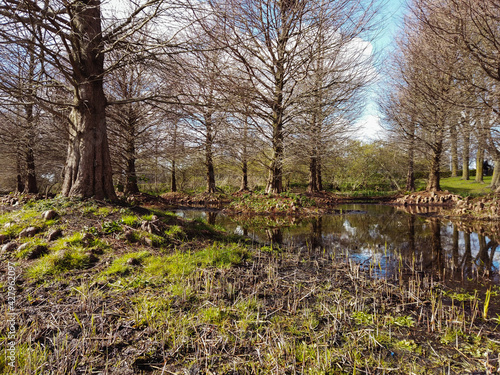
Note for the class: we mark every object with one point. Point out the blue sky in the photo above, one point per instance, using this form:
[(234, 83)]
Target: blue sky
[(390, 23)]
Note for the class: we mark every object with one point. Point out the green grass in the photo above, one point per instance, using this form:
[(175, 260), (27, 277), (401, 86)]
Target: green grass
[(464, 188)]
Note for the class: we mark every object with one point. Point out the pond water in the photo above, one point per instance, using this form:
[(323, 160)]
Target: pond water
[(383, 239)]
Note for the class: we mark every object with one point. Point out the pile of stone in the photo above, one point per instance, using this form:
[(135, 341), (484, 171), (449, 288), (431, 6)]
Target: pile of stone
[(425, 198), (480, 208)]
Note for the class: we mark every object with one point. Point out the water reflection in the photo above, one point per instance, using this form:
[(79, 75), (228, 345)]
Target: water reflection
[(394, 241)]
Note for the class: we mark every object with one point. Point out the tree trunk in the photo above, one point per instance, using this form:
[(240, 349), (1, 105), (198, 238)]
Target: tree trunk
[(434, 177), (319, 176), (479, 164), (19, 171), (313, 176), (173, 182), (244, 176), (209, 157), (244, 162), (31, 185), (131, 186), (87, 172), (495, 179), (275, 181), (454, 151), (410, 174), (466, 153)]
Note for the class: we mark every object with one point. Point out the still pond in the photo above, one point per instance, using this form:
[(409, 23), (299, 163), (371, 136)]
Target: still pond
[(384, 240)]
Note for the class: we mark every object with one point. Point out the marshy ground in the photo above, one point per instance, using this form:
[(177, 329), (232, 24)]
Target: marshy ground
[(137, 290)]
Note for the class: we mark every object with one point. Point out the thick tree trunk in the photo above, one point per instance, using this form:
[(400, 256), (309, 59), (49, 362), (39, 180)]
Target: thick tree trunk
[(495, 179), (173, 178), (244, 176), (275, 181), (19, 171), (466, 153), (87, 172), (209, 157), (433, 184), (131, 186), (454, 151), (313, 175), (319, 175), (479, 164), (31, 185)]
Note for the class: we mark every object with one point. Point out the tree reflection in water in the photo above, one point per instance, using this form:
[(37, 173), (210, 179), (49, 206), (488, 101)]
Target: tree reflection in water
[(386, 237)]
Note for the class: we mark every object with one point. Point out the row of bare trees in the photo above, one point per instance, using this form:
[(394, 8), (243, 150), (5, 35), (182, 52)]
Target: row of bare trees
[(444, 86), (115, 84)]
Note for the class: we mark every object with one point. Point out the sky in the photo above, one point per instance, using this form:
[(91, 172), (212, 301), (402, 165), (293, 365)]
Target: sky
[(391, 17)]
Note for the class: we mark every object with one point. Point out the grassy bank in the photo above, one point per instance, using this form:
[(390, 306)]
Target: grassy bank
[(126, 290), (466, 188)]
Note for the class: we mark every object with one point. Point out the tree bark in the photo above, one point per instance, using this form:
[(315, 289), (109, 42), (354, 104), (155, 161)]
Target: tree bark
[(313, 177), (319, 176), (454, 151), (87, 172), (31, 184), (209, 157), (275, 181), (19, 171), (433, 184), (495, 179), (173, 178), (131, 186), (410, 174), (479, 164), (244, 161), (466, 152)]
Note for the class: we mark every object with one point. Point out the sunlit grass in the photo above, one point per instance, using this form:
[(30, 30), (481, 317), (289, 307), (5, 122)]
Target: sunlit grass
[(466, 187)]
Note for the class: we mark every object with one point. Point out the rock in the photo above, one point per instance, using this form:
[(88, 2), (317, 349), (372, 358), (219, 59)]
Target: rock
[(49, 215), (130, 236), (148, 241), (133, 262), (35, 253), (9, 247), (28, 232), (54, 235)]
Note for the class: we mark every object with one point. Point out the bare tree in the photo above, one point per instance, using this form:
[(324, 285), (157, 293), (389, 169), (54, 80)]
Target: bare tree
[(270, 40), (72, 40)]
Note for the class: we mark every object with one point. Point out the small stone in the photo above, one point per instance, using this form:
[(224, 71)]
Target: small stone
[(9, 247), (54, 235), (37, 252), (129, 236), (148, 241), (49, 215), (28, 232)]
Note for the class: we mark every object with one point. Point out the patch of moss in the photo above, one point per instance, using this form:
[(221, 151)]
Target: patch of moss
[(123, 264), (59, 262)]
